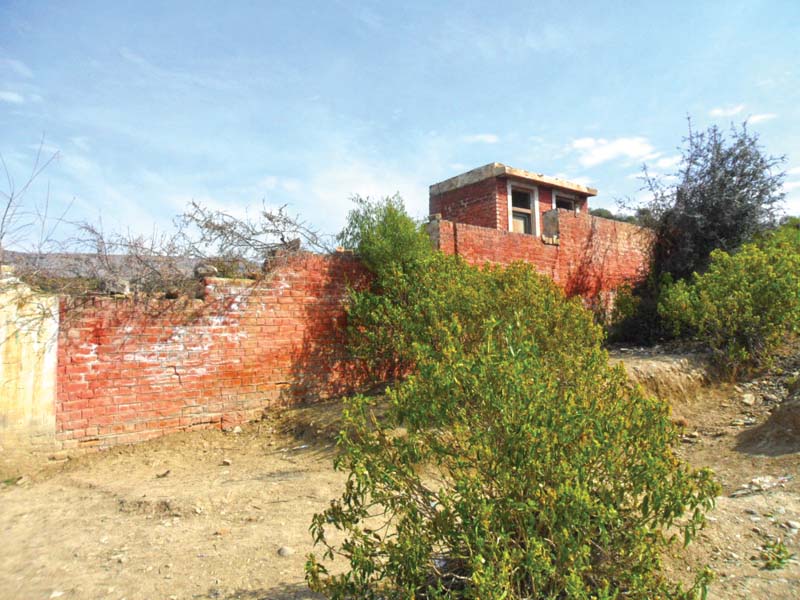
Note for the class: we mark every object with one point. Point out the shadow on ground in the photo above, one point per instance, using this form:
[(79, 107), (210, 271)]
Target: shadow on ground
[(777, 436), (296, 591)]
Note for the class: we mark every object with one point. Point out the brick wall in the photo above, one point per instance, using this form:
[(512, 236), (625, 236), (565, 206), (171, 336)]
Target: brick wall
[(129, 371), (475, 204), (594, 255)]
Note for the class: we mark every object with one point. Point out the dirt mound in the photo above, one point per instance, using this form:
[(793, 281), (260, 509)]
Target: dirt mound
[(675, 378), (779, 434)]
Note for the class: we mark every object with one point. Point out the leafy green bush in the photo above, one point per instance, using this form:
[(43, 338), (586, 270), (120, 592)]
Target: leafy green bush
[(743, 306), (512, 462), (775, 555), (383, 235), (787, 234)]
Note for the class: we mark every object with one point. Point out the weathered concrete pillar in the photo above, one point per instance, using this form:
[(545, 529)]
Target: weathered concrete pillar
[(28, 363)]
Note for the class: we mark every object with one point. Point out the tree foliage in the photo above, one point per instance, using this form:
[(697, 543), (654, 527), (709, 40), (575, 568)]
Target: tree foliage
[(604, 213), (512, 460), (383, 235), (727, 191)]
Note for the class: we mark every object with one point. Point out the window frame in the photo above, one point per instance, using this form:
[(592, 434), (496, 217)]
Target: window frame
[(573, 198), (533, 193)]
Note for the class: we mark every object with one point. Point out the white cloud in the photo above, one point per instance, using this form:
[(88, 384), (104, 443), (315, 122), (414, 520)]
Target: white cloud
[(727, 111), (11, 97), (761, 117), (481, 138), (596, 151), (80, 165), (272, 183), (791, 185), (80, 142), (580, 180), (19, 67), (793, 171), (668, 162), (792, 205)]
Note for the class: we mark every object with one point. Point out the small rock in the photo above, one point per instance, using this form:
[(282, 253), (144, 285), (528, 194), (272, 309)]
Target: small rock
[(203, 270), (226, 462), (750, 511), (56, 594), (237, 429), (162, 475), (793, 524), (748, 399), (285, 551)]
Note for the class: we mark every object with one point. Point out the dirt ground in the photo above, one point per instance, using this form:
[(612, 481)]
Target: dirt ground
[(224, 515)]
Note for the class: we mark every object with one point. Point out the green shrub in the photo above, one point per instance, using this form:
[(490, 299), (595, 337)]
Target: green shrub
[(512, 462), (743, 306), (775, 555), (383, 235), (787, 234)]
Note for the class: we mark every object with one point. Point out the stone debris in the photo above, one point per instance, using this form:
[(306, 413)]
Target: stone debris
[(749, 399), (761, 484)]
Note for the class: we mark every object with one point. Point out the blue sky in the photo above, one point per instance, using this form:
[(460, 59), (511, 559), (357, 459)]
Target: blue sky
[(151, 105)]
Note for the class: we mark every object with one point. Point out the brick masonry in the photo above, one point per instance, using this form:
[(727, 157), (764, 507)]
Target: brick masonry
[(593, 256), (128, 371)]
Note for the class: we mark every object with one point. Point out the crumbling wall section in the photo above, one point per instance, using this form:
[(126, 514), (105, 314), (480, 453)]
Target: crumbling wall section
[(129, 371)]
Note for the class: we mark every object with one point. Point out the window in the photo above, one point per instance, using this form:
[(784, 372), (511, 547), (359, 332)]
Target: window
[(565, 202), (521, 212)]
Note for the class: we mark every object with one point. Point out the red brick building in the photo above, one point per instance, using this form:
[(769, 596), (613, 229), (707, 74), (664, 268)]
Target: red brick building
[(500, 214)]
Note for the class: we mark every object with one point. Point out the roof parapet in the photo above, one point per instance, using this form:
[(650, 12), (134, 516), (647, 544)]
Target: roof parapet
[(500, 170)]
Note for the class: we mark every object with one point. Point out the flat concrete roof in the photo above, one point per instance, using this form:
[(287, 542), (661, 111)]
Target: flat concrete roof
[(500, 170)]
